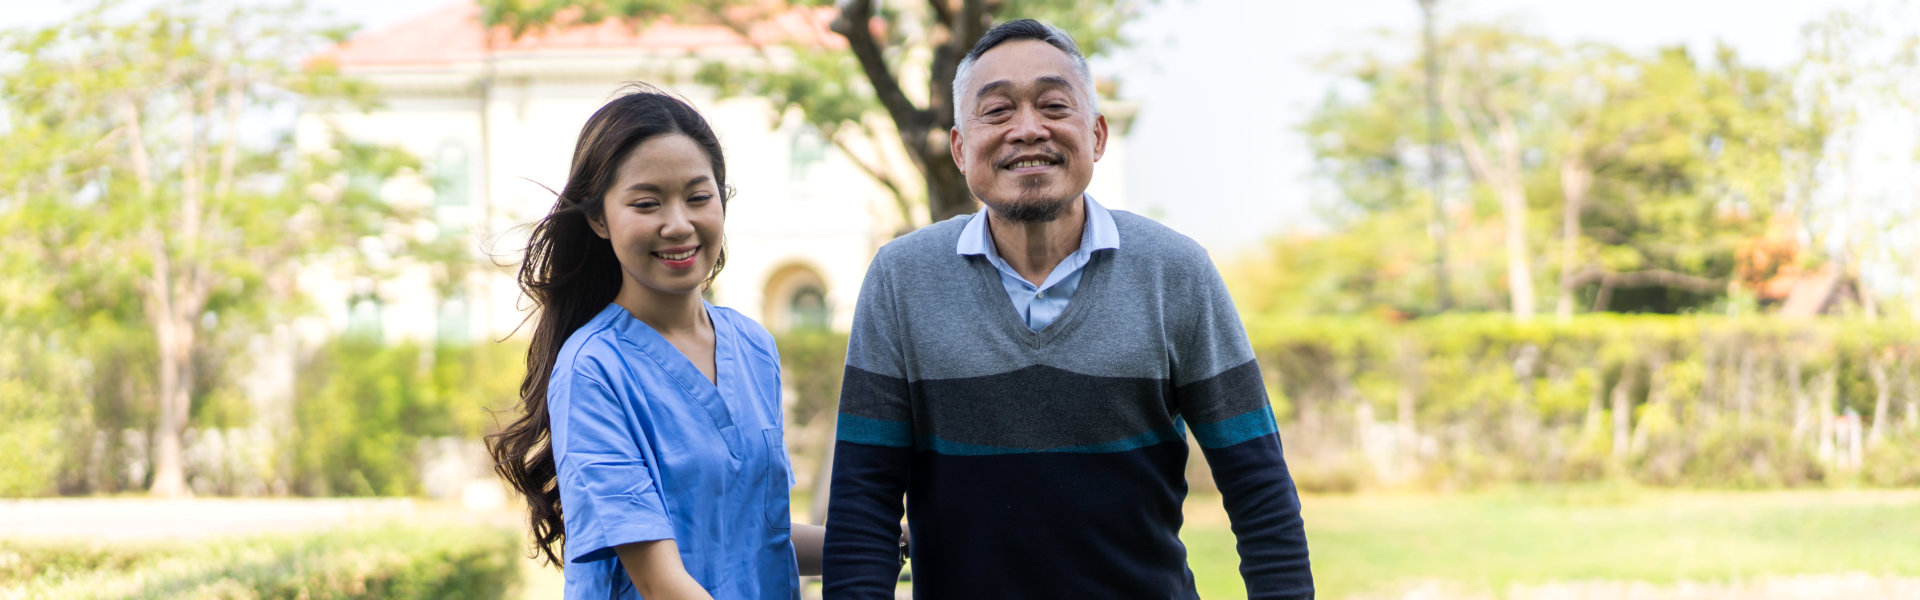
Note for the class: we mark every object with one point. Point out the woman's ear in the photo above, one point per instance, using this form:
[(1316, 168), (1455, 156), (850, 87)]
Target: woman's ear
[(599, 225)]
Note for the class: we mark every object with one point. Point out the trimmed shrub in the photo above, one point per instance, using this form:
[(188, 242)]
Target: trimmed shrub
[(398, 563)]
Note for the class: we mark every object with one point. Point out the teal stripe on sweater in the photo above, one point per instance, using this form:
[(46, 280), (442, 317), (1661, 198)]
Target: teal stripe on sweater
[(1163, 435), (1247, 426), (875, 432)]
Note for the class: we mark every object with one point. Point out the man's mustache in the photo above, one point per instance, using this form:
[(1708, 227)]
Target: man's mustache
[(1051, 154)]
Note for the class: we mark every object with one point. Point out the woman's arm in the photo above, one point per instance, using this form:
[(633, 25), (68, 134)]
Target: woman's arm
[(657, 573), (807, 540)]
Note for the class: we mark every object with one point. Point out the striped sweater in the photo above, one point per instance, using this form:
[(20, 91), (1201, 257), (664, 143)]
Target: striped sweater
[(1051, 463)]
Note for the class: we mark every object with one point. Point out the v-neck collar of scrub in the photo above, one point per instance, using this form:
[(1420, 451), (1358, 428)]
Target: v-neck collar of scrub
[(681, 369), (679, 364)]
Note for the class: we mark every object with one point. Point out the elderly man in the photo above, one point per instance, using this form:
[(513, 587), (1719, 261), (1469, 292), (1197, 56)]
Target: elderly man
[(1026, 375)]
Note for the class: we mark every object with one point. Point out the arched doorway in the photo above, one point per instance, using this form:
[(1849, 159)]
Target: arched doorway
[(796, 298)]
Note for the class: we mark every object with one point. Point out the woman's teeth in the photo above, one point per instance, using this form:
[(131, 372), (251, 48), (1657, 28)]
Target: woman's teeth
[(678, 256)]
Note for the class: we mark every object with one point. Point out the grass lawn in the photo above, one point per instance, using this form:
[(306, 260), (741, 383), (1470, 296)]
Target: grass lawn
[(1487, 541)]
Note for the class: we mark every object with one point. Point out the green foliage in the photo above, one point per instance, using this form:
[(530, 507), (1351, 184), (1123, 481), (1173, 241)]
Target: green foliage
[(852, 89), (1895, 464), (1645, 173), (363, 406), (138, 206), (1709, 401), (399, 563), (812, 361)]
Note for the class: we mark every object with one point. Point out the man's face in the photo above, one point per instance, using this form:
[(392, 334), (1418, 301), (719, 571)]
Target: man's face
[(1027, 137)]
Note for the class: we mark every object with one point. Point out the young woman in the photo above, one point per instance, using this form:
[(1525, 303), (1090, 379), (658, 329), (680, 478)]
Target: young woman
[(650, 452)]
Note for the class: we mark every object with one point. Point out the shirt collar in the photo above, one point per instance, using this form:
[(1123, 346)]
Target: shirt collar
[(1099, 233)]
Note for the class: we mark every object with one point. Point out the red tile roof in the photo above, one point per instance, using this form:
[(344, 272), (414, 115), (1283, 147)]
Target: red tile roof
[(453, 34)]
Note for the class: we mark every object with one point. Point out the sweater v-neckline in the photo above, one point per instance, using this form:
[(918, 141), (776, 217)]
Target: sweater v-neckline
[(1092, 277)]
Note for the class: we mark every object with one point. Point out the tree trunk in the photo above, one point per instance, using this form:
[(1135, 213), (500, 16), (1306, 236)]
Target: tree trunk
[(1801, 416), (1576, 179), (1829, 389), (1499, 167), (1656, 400), (947, 193), (174, 339), (1882, 396), (1743, 387), (1513, 206), (1622, 412)]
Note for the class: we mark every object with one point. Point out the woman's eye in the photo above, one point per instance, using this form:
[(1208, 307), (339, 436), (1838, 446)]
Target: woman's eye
[(700, 198), (644, 204)]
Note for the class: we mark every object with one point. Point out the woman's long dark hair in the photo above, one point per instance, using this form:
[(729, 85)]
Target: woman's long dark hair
[(571, 274)]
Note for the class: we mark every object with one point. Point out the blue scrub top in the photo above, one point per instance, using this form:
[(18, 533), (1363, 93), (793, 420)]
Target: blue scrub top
[(648, 449)]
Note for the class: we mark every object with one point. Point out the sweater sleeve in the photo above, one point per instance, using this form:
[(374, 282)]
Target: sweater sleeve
[(872, 450), (1219, 392)]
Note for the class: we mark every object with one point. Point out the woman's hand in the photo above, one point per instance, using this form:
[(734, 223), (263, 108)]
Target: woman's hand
[(807, 543), (657, 571)]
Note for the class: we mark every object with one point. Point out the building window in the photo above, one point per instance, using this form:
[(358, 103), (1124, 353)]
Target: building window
[(808, 308), (451, 174), (363, 317), (809, 150), (796, 298), (454, 319)]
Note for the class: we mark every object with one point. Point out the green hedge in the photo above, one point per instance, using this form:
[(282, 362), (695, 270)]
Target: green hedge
[(363, 406), (1708, 401), (398, 563), (1701, 401)]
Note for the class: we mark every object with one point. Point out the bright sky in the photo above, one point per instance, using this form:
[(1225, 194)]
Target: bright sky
[(1223, 84), (1214, 152)]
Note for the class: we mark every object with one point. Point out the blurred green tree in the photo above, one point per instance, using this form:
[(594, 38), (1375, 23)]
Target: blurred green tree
[(152, 183), (1666, 168), (1661, 165), (840, 91)]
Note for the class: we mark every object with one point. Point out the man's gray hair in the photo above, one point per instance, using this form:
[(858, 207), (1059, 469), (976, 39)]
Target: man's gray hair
[(1024, 29)]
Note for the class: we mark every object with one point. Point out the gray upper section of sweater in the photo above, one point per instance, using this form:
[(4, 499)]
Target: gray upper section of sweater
[(1153, 309)]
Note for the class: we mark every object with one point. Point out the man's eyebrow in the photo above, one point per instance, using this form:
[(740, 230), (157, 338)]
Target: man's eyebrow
[(1047, 81), (648, 187)]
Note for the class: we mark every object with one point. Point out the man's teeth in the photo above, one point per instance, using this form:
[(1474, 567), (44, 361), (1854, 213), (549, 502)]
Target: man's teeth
[(1031, 163), (681, 256)]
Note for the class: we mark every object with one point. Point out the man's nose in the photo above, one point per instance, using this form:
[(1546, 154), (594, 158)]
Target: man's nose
[(1027, 127)]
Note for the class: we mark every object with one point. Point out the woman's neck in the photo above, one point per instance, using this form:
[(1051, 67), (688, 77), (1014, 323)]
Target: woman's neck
[(667, 314)]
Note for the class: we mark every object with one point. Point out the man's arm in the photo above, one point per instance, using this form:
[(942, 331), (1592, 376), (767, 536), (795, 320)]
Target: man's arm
[(1220, 393), (871, 457)]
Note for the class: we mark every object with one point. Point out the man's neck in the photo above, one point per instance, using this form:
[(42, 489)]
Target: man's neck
[(1034, 248)]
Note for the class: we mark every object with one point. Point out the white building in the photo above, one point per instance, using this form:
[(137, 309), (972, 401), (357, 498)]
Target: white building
[(494, 120)]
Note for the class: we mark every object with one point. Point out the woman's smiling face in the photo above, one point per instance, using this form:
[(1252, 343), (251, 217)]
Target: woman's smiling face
[(664, 217)]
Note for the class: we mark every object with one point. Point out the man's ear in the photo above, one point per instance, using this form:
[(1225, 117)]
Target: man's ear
[(957, 148), (1099, 136)]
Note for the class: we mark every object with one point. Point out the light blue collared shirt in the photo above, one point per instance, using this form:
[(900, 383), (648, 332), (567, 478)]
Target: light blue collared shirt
[(1039, 306)]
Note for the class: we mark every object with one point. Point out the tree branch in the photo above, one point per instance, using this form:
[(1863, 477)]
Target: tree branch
[(1649, 278), (964, 30), (855, 24), (941, 12), (879, 175)]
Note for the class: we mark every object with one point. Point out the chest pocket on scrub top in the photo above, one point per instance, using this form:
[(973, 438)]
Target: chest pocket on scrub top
[(774, 478)]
